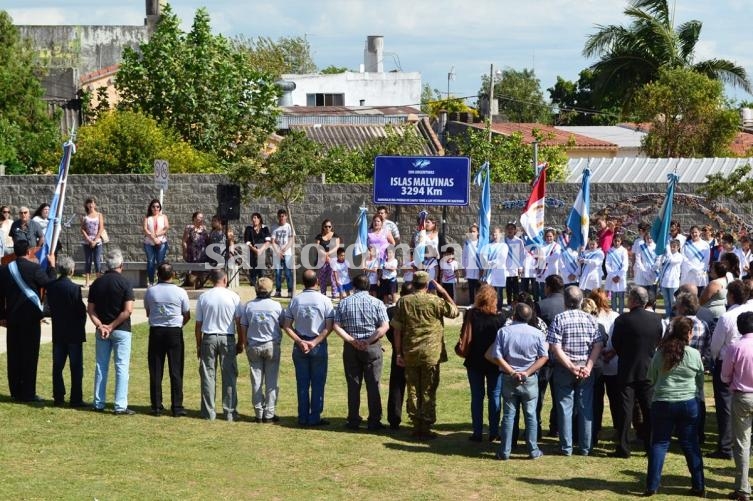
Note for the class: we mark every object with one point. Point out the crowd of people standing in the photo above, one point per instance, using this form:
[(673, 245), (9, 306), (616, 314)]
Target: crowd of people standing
[(543, 317)]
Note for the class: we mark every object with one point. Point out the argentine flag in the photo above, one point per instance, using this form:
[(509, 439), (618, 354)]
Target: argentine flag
[(362, 222), (57, 205), (578, 221), (484, 205), (660, 226)]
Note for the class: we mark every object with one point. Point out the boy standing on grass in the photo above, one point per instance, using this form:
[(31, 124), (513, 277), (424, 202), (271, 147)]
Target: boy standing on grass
[(341, 275)]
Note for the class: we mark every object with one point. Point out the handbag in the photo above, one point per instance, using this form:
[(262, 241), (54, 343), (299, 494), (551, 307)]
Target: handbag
[(463, 346), (104, 237)]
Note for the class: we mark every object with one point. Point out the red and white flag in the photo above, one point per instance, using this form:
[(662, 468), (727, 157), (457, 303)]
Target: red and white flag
[(532, 218)]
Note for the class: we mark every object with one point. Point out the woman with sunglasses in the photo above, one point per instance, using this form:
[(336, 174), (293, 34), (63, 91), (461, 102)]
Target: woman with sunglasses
[(328, 242), (155, 238)]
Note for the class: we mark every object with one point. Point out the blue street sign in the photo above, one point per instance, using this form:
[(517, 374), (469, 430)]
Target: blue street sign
[(422, 180)]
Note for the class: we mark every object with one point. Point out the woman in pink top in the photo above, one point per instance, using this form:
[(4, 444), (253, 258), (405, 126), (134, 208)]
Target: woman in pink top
[(155, 238), (380, 237)]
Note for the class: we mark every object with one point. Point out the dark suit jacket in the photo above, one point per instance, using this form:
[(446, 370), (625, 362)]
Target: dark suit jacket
[(67, 310), (15, 307), (550, 307), (635, 337)]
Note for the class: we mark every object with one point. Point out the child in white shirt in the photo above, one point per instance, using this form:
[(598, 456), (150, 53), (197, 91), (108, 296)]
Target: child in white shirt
[(341, 274), (669, 275), (388, 284), (371, 266), (449, 270), (592, 259), (617, 262)]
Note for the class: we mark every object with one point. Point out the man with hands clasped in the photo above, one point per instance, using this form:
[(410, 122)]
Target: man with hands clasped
[(575, 341)]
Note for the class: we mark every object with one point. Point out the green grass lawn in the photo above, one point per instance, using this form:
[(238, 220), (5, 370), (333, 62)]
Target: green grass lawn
[(62, 453)]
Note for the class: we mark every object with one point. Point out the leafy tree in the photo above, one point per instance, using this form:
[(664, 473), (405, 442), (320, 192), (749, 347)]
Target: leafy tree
[(433, 101), (687, 114), (201, 86), (125, 142), (277, 57), (632, 56), (579, 106), (29, 137), (333, 70), (510, 158), (737, 185), (283, 175), (519, 96)]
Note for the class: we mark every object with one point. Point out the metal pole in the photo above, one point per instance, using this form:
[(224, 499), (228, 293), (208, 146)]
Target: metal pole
[(491, 99), (536, 158)]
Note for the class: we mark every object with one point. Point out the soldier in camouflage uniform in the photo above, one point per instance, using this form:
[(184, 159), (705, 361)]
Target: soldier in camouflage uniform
[(419, 342)]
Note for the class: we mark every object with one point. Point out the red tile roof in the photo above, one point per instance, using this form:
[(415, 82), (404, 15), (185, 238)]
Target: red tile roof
[(743, 143), (555, 136), (97, 74)]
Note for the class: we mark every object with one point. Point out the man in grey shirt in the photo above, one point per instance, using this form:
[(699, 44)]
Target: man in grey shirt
[(520, 351), (308, 322), (216, 319), (168, 310), (260, 334)]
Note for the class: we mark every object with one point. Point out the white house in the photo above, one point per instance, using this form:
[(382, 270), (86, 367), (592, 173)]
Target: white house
[(370, 86)]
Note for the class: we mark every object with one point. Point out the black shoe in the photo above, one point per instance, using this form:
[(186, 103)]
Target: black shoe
[(58, 403), (156, 412), (125, 412), (78, 405), (738, 496), (352, 426), (699, 493), (321, 422), (475, 438), (376, 427), (719, 455), (257, 420), (648, 494), (179, 413), (619, 454), (273, 419), (394, 426)]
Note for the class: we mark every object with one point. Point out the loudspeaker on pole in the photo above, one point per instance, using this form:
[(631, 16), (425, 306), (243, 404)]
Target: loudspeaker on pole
[(229, 202)]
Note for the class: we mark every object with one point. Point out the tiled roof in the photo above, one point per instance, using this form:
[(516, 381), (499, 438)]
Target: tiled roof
[(354, 137), (651, 170), (556, 136), (743, 142), (97, 74)]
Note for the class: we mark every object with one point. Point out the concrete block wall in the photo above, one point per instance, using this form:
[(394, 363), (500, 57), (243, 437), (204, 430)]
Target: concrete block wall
[(123, 199)]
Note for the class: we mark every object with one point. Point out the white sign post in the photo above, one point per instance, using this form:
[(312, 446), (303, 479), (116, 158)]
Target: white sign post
[(161, 174)]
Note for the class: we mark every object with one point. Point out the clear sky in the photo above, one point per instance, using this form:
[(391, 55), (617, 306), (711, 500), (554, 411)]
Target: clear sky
[(429, 36)]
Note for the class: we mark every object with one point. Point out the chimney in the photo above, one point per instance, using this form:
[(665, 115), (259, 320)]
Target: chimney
[(746, 117), (153, 13), (373, 54), (286, 96)]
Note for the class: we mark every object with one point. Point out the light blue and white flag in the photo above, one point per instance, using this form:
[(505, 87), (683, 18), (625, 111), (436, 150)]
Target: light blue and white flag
[(362, 238), (484, 204), (578, 221), (660, 226), (57, 204)]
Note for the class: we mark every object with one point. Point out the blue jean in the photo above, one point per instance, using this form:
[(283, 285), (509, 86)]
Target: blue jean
[(119, 344), (569, 393), (283, 265), (493, 381), (513, 395), (668, 293), (74, 353), (92, 255), (666, 417), (155, 254), (310, 374)]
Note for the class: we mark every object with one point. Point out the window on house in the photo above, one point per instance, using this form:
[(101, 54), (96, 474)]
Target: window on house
[(324, 99)]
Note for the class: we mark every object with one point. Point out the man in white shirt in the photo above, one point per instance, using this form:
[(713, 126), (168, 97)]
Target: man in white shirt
[(282, 252), (516, 256), (387, 223), (216, 322)]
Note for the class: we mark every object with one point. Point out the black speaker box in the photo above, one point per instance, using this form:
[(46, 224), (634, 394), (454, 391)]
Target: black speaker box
[(229, 202)]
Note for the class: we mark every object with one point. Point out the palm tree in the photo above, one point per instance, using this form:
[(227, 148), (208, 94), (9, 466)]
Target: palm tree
[(631, 56)]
